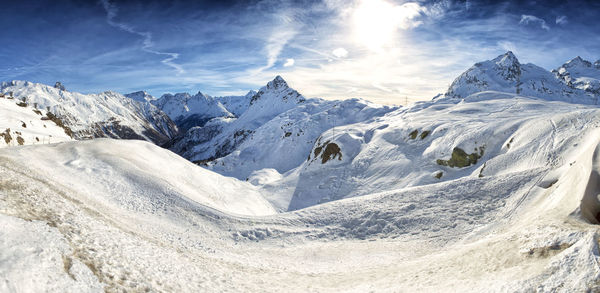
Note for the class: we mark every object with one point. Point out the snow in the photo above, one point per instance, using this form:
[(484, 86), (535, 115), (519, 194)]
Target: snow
[(107, 114), (141, 96), (188, 111), (284, 142), (128, 172), (504, 231), (490, 188), (40, 260), (23, 122), (237, 105), (580, 74), (506, 74)]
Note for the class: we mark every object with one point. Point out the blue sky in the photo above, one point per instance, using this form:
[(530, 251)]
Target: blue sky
[(381, 50)]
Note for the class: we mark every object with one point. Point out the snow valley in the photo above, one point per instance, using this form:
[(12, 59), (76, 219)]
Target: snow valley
[(491, 186)]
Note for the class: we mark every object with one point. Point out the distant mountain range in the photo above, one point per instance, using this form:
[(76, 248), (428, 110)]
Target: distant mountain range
[(203, 128)]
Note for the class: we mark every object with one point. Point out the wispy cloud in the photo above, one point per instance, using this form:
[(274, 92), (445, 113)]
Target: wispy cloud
[(530, 19), (147, 43), (276, 42), (561, 20)]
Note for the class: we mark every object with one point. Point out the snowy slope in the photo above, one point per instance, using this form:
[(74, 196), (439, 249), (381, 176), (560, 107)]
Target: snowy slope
[(506, 74), (23, 125), (114, 206), (189, 111), (107, 114), (411, 147), (129, 173)]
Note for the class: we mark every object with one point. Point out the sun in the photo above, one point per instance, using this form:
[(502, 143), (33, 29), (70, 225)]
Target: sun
[(374, 23)]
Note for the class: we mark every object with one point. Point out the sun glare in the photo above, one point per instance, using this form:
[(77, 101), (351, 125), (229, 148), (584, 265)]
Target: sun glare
[(376, 21)]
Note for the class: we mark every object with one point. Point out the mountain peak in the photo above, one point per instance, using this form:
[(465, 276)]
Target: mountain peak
[(577, 61), (506, 60), (277, 83), (508, 66), (202, 95), (278, 89)]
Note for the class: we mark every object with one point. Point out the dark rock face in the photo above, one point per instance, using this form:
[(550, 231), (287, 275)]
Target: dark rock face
[(332, 151), (60, 86), (461, 159)]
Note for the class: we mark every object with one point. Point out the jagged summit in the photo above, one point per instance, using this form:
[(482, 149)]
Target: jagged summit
[(577, 61), (507, 58), (508, 65), (277, 83), (277, 90)]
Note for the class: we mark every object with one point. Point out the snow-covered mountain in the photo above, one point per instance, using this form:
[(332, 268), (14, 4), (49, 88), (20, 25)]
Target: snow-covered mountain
[(188, 111), (506, 74), (581, 74), (284, 142), (107, 114), (278, 120)]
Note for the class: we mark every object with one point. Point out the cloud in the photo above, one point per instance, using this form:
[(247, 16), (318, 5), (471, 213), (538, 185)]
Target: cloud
[(148, 43), (275, 44), (288, 62), (561, 20), (407, 14), (530, 19), (340, 53), (508, 46)]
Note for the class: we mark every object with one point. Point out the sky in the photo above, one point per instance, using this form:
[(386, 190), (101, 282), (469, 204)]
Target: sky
[(386, 51)]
